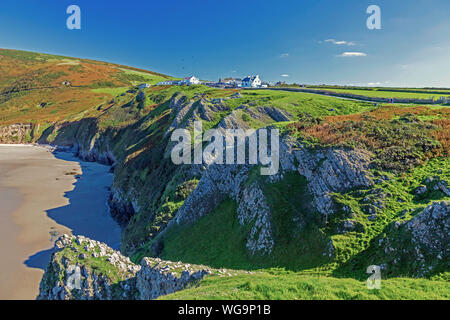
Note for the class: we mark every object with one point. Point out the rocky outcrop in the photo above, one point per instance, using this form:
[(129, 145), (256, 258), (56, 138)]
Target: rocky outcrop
[(332, 170), (327, 171), (84, 269), (431, 184), (430, 230), (158, 278), (216, 183), (253, 209), (180, 107), (121, 209), (93, 154), (16, 133), (208, 111), (420, 244), (219, 182), (263, 114), (276, 114)]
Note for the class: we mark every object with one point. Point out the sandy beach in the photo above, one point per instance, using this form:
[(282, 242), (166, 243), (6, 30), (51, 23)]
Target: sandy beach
[(43, 195)]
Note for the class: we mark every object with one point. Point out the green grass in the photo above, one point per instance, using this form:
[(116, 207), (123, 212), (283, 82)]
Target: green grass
[(290, 286), (357, 250), (389, 94), (298, 103), (112, 91), (218, 239), (137, 77), (297, 267)]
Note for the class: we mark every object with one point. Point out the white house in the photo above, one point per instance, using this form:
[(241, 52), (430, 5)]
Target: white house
[(190, 80), (251, 82)]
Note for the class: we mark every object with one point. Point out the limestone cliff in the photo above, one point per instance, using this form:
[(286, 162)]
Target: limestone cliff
[(16, 133), (84, 269)]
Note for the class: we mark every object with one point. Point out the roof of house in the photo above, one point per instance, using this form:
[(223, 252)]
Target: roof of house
[(249, 78)]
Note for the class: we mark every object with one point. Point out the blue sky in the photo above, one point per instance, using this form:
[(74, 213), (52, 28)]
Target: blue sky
[(280, 40)]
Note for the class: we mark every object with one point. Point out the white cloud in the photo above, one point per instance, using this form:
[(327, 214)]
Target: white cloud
[(374, 84), (340, 43), (284, 75), (284, 55), (353, 54)]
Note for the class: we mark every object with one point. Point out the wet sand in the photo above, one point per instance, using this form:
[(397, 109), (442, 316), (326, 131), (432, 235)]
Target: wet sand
[(41, 198)]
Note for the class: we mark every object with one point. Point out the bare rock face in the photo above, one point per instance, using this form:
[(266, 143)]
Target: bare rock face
[(120, 209), (217, 183), (327, 171), (185, 112), (15, 133), (158, 277), (180, 107), (253, 208), (421, 243), (84, 269), (333, 170), (221, 181), (263, 114), (276, 114), (431, 228)]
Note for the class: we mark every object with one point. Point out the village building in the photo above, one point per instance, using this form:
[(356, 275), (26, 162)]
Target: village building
[(251, 82), (190, 81)]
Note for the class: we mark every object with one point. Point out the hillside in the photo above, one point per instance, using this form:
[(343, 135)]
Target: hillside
[(37, 87), (359, 184)]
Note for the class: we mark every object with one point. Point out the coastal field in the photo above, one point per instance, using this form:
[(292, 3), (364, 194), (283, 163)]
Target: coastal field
[(293, 286), (388, 93), (357, 180)]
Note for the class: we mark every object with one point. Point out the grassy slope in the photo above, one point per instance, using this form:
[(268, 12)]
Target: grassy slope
[(299, 103), (31, 89), (386, 92), (217, 239), (292, 286), (391, 94), (297, 269)]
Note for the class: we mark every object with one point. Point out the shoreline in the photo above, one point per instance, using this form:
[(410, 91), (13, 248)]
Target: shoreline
[(46, 193)]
